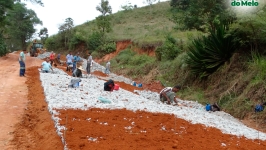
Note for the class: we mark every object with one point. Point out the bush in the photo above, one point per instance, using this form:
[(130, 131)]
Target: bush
[(207, 54), (258, 65), (139, 59), (107, 48), (75, 39), (252, 30), (96, 54), (53, 43), (3, 49), (124, 56), (94, 40), (169, 49)]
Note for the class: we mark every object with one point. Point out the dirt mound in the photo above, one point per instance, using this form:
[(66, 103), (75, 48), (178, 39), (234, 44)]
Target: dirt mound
[(36, 129)]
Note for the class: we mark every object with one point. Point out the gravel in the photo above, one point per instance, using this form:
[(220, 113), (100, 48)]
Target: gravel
[(59, 96)]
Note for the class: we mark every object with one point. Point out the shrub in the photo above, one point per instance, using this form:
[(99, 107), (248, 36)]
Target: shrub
[(258, 65), (94, 40), (139, 59), (96, 54), (107, 48), (207, 54), (3, 49), (169, 49), (124, 56), (75, 39)]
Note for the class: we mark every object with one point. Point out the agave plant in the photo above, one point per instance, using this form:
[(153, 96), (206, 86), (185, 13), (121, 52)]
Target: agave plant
[(207, 54)]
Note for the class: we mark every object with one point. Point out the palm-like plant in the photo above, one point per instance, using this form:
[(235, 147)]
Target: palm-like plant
[(207, 54)]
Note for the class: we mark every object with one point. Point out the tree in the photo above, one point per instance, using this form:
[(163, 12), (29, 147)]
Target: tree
[(43, 34), (180, 4), (127, 6), (201, 14), (21, 24), (103, 21), (150, 2), (66, 29), (33, 1), (4, 5), (3, 49), (104, 8)]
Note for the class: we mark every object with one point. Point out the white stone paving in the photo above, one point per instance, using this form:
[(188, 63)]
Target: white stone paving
[(59, 96)]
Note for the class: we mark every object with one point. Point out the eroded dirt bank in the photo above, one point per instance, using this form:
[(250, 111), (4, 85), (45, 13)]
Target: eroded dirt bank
[(36, 129)]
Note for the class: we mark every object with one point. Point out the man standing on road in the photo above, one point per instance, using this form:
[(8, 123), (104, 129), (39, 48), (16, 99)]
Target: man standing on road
[(46, 66), (89, 64), (22, 59), (168, 94)]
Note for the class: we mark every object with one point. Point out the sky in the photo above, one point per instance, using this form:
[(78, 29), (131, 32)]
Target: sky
[(55, 12)]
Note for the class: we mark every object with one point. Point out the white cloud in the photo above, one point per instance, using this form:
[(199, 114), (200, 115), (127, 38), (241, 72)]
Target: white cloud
[(55, 12)]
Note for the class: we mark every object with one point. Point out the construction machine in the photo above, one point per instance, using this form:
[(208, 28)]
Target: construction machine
[(36, 48)]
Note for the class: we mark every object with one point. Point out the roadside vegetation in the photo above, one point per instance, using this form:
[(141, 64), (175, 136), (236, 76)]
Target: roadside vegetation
[(17, 24)]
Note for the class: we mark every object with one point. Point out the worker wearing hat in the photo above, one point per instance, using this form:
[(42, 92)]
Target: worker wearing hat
[(78, 72)]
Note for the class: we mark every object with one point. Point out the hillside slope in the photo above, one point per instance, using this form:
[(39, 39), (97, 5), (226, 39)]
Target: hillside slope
[(141, 25)]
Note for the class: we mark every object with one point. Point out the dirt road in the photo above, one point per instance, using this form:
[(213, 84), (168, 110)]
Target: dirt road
[(24, 119), (13, 95)]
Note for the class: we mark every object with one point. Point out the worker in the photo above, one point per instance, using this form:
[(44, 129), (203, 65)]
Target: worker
[(109, 85), (168, 94), (76, 59), (58, 58), (78, 72), (52, 57), (89, 63), (22, 59), (46, 66), (69, 62), (74, 83), (107, 69)]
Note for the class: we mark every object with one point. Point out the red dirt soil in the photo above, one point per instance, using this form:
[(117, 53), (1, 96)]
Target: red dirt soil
[(36, 129), (122, 45), (108, 126), (13, 96)]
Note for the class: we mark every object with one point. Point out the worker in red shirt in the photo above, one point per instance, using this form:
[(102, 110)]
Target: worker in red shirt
[(52, 57)]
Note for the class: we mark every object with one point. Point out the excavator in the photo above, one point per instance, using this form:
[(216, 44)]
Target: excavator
[(36, 48)]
